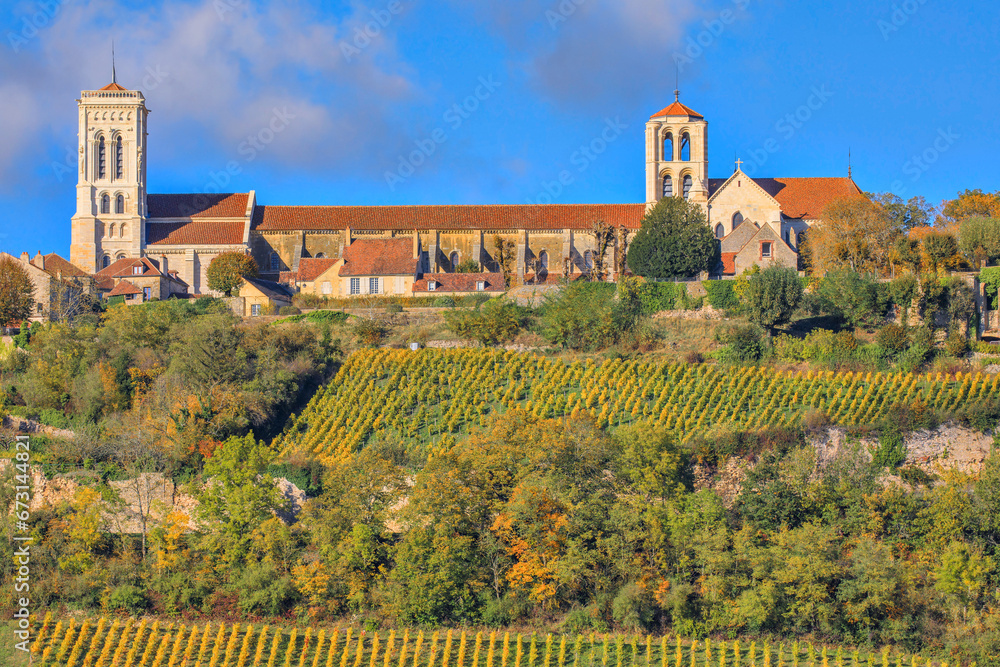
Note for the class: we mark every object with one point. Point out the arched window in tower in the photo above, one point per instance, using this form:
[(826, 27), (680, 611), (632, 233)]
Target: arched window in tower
[(102, 158), (111, 230), (686, 147), (737, 219), (720, 231), (120, 204), (105, 204), (668, 186), (106, 262), (121, 231), (688, 183), (119, 159), (668, 148), (120, 256)]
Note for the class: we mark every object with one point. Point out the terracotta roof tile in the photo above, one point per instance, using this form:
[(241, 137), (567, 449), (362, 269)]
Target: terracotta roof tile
[(555, 216), (379, 257), (55, 264), (311, 268), (123, 268), (807, 198), (124, 288), (198, 205), (114, 85), (194, 233), (729, 263), (460, 282), (677, 109)]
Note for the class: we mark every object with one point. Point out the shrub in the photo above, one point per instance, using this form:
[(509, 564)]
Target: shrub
[(992, 349), (289, 310), (982, 415), (891, 450), (394, 308), (444, 302), (957, 345), (721, 295), (657, 297), (914, 476), (893, 338), (370, 332), (127, 598), (771, 296), (745, 343)]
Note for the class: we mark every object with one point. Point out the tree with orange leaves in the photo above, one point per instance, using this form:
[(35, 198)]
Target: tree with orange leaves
[(972, 204)]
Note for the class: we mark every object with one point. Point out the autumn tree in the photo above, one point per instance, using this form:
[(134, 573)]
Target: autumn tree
[(939, 248), (979, 239), (17, 292), (855, 233), (972, 204), (674, 242), (914, 212), (225, 273), (496, 322), (604, 237), (505, 256)]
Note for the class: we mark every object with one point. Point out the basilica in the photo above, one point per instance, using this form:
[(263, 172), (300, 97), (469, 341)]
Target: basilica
[(359, 250)]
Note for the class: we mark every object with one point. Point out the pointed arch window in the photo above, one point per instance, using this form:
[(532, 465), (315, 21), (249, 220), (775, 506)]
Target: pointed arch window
[(686, 147), (105, 204), (119, 159), (668, 186), (688, 183), (668, 148), (102, 158), (737, 219), (120, 204), (720, 231)]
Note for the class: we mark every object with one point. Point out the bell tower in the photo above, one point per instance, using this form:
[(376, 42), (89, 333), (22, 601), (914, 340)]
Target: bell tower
[(677, 154), (111, 179)]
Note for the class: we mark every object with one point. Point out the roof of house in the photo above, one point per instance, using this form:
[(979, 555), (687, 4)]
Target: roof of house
[(379, 257), (197, 205), (461, 282), (114, 85), (677, 109), (729, 263), (270, 289), (124, 288), (807, 198), (524, 216), (123, 268), (311, 268), (196, 232), (740, 236), (54, 264)]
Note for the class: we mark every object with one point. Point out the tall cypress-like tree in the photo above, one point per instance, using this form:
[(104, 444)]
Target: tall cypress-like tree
[(674, 242)]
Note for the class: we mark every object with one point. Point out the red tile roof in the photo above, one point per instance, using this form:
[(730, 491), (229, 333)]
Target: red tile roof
[(113, 86), (379, 257), (729, 263), (677, 109), (55, 264), (198, 205), (553, 216), (123, 268), (194, 233), (124, 288), (807, 198), (311, 268), (460, 282)]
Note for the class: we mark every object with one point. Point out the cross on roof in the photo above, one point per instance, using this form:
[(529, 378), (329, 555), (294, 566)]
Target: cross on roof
[(739, 163)]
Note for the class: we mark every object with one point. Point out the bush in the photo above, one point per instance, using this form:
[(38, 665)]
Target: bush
[(982, 415), (657, 297), (370, 332), (992, 349), (721, 295), (893, 338), (394, 308), (891, 450), (289, 310), (127, 598), (957, 345), (444, 302), (744, 343)]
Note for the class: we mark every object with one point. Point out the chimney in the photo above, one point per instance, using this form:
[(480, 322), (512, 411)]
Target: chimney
[(26, 258), (348, 238), (40, 260), (163, 265)]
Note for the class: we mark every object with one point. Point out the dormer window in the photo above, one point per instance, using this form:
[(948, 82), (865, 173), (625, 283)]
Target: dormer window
[(480, 286), (137, 270), (431, 285)]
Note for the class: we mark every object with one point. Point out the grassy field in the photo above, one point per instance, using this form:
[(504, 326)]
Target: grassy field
[(142, 643)]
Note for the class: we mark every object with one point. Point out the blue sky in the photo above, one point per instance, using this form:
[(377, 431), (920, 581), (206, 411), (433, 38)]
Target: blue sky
[(909, 87)]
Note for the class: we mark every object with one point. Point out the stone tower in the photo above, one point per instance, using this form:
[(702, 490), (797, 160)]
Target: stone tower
[(677, 154), (111, 184)]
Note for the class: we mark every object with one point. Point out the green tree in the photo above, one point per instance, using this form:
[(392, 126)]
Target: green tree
[(467, 265), (979, 239), (939, 248), (772, 296), (652, 461), (238, 496), (17, 292), (856, 298), (906, 252), (496, 322), (674, 242), (963, 575), (225, 273), (915, 212)]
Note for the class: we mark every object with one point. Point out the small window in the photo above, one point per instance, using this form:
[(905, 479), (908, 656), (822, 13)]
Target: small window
[(480, 286), (668, 186), (121, 255), (320, 255), (765, 249), (668, 148), (373, 286), (120, 204), (111, 231), (431, 286), (453, 258), (105, 204), (137, 270), (119, 159), (147, 293), (543, 259), (41, 308), (688, 183), (275, 262), (106, 262), (720, 231), (355, 285), (255, 310), (102, 159), (737, 219), (686, 147), (327, 288)]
